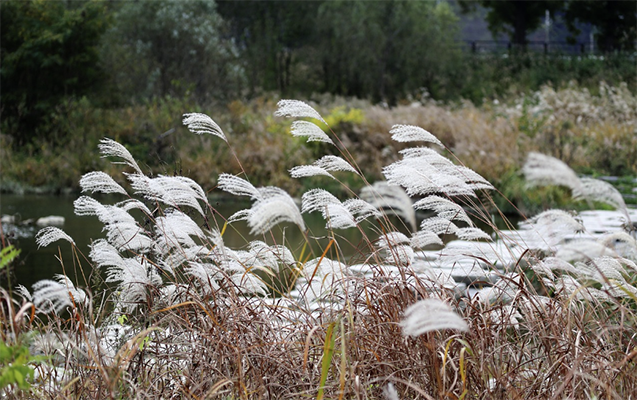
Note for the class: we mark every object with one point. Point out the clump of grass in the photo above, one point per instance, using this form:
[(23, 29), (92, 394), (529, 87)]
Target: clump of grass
[(166, 309)]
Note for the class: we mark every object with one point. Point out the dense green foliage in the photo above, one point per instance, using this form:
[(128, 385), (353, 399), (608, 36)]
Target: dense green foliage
[(169, 48), (386, 49), (49, 52), (615, 21)]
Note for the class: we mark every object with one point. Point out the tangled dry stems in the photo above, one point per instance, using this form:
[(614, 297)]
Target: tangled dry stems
[(201, 333)]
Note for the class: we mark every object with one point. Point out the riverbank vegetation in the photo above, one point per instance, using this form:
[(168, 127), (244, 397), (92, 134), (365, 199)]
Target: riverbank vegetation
[(591, 130), (546, 310)]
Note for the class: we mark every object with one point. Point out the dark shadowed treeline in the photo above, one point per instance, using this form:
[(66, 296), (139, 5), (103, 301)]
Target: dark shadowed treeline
[(123, 54)]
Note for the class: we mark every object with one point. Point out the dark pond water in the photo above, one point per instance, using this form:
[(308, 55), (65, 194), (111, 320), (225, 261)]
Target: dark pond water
[(42, 263)]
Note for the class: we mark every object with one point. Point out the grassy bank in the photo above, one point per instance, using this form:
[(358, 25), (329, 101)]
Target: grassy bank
[(547, 310), (592, 132)]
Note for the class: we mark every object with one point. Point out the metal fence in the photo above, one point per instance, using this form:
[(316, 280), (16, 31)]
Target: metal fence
[(551, 47)]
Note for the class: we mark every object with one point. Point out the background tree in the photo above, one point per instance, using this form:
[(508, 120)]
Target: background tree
[(49, 51), (517, 18), (170, 48), (616, 22), (385, 49), (273, 36)]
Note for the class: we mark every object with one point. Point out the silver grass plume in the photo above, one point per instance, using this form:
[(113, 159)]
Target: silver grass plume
[(304, 171), (237, 186), (540, 170), (311, 131), (56, 295), (322, 166), (337, 215), (297, 109), (174, 231), (361, 209), (603, 192), (472, 233), (173, 191), (321, 277), (334, 163), (422, 239), (135, 277), (390, 392), (317, 200), (24, 293), (99, 181), (431, 315), (121, 228), (439, 226), (110, 148), (201, 123), (410, 133), (132, 204), (583, 250), (51, 234), (273, 206), (397, 248), (553, 226), (445, 208), (420, 177), (392, 199)]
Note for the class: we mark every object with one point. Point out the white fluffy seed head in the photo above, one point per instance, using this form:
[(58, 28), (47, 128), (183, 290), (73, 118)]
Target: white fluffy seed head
[(334, 163), (110, 148), (431, 315), (410, 133), (51, 234), (99, 181), (297, 109), (201, 123), (303, 171), (311, 131)]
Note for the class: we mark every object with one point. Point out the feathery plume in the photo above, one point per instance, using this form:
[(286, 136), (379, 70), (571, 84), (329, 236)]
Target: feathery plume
[(110, 148), (201, 123), (56, 295), (311, 131), (472, 234), (392, 198), (439, 226), (303, 171), (99, 181), (334, 163), (431, 315), (445, 208), (361, 209), (51, 234), (237, 186), (131, 204), (297, 109), (269, 211), (174, 231), (422, 239), (598, 190), (390, 392), (317, 200), (171, 190), (410, 133), (541, 170)]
